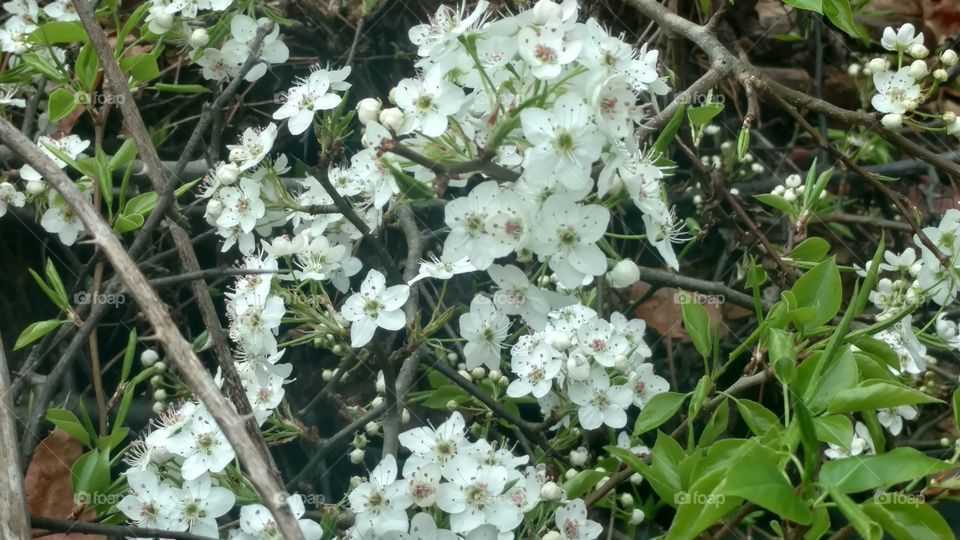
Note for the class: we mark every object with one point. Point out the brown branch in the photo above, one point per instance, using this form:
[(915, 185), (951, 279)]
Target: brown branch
[(188, 257), (178, 349), (13, 511), (120, 531), (483, 165)]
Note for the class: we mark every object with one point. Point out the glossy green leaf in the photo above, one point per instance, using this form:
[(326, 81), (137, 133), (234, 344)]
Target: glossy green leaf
[(819, 288), (906, 517), (658, 410), (765, 484), (36, 331), (861, 522), (67, 421), (58, 32), (813, 249), (877, 394), (61, 103), (758, 418), (697, 323), (860, 473)]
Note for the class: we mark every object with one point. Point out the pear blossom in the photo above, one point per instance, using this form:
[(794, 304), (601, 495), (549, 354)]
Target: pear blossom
[(572, 522), (312, 94), (376, 305), (427, 103), (901, 39), (9, 196), (484, 328), (567, 237), (599, 402), (565, 141), (256, 522), (380, 502)]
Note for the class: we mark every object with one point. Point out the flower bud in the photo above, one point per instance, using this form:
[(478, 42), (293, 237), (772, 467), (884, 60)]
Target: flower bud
[(551, 492), (160, 367), (452, 405), (918, 69), (156, 380), (368, 110), (919, 51), (160, 20), (578, 371), (36, 187), (327, 375), (149, 357), (778, 190), (227, 174), (376, 402), (391, 118), (214, 208), (636, 479), (545, 11), (356, 457), (578, 457), (793, 181), (405, 416), (948, 57), (626, 500), (158, 407), (199, 38), (372, 428), (552, 535), (478, 373), (494, 375), (891, 121), (637, 516), (561, 342), (624, 274), (160, 394), (953, 128), (570, 473), (853, 70), (940, 74), (790, 195), (877, 65), (452, 357)]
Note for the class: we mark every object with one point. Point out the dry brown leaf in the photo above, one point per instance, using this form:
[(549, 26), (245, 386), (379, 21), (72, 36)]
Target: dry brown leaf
[(47, 482), (662, 311), (942, 18)]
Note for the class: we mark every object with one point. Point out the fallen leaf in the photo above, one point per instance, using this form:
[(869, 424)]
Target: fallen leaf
[(47, 482)]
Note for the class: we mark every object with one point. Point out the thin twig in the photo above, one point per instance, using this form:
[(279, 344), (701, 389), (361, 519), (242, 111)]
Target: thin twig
[(178, 349), (13, 511), (122, 531)]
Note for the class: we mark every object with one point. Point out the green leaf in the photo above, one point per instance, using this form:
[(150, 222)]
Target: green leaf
[(702, 115), (141, 204), (697, 323), (701, 506), (128, 356), (743, 142), (860, 473), (57, 32), (834, 429), (61, 103), (91, 472), (809, 5), (858, 518), (777, 202), (813, 249), (181, 88), (717, 425), (758, 418), (114, 439), (125, 223), (36, 331), (67, 421), (819, 288), (876, 394), (658, 410), (125, 154), (53, 295), (53, 277), (670, 130), (142, 67), (782, 354), (907, 519), (44, 67), (841, 15), (582, 482), (87, 66), (665, 463), (766, 485)]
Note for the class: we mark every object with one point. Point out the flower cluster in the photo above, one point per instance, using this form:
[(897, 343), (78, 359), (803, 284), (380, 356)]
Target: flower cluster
[(175, 469), (480, 489), (900, 91)]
